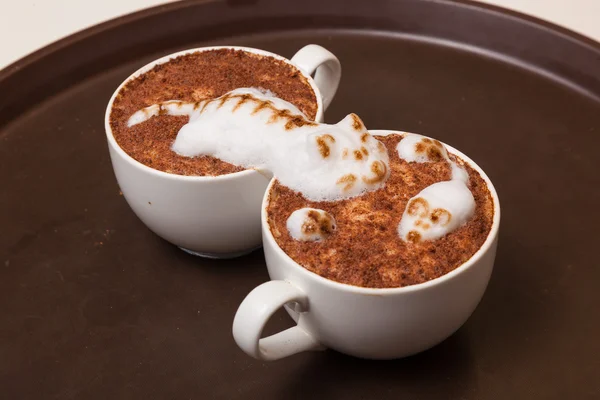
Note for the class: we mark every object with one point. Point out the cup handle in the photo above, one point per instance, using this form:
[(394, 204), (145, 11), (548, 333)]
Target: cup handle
[(253, 314), (313, 58)]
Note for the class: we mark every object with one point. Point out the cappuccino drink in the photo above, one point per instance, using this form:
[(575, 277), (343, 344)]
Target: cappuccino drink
[(192, 78), (431, 216)]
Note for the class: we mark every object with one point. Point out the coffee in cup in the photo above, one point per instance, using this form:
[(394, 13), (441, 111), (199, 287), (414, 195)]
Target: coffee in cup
[(192, 78), (421, 225)]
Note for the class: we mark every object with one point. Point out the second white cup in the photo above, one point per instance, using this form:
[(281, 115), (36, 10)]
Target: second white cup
[(362, 322)]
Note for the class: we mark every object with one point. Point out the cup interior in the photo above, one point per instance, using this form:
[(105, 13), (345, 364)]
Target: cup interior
[(269, 240), (113, 143)]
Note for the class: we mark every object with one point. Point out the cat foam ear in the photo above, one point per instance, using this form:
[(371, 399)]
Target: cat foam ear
[(352, 123)]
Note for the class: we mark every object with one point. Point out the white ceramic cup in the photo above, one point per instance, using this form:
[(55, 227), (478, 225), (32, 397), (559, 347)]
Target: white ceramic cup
[(217, 217), (363, 322)]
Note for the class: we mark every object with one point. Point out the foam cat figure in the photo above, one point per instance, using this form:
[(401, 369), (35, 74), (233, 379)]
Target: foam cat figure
[(254, 129)]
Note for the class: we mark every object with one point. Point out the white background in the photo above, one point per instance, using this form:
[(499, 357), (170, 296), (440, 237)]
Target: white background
[(27, 25)]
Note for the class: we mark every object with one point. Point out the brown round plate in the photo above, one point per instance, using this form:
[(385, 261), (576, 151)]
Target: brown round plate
[(94, 306)]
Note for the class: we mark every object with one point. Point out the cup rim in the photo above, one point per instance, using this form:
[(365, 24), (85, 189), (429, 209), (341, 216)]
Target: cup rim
[(196, 178), (485, 247)]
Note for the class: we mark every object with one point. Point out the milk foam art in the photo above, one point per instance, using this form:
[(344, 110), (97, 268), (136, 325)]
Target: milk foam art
[(441, 207), (252, 129), (310, 224)]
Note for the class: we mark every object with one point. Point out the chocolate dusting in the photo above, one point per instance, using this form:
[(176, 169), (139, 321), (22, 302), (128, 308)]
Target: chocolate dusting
[(193, 78), (365, 249)]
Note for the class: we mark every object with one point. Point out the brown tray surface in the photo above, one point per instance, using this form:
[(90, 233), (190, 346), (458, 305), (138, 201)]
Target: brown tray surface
[(95, 306)]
